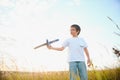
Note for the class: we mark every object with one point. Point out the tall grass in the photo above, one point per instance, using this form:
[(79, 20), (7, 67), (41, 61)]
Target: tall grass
[(107, 74), (103, 74)]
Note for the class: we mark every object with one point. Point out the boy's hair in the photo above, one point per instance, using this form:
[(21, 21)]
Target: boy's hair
[(77, 27)]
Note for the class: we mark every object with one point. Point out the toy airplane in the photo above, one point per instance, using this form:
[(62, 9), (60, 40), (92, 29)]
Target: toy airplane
[(47, 43)]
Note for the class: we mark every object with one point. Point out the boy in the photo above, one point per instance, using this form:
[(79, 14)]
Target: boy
[(77, 46)]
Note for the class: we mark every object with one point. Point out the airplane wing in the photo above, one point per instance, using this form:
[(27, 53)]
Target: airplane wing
[(47, 43)]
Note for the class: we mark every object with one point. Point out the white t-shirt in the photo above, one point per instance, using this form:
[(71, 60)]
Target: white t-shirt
[(76, 47)]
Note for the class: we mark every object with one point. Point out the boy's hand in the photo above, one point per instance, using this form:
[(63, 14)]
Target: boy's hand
[(49, 46), (89, 63)]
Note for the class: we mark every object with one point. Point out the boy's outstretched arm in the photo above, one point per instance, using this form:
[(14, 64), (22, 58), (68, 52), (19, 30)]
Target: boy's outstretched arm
[(55, 48), (88, 57)]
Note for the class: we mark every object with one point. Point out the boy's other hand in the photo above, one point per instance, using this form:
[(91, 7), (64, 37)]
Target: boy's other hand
[(89, 63)]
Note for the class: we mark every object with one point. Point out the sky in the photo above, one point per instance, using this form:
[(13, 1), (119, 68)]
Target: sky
[(25, 24)]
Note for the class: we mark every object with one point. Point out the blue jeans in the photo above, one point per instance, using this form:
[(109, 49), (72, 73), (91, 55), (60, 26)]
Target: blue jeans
[(78, 69)]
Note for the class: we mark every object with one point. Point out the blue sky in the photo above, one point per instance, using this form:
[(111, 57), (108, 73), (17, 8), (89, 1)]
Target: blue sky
[(27, 23)]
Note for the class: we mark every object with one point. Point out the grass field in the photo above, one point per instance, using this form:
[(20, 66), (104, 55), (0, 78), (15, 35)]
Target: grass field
[(108, 74)]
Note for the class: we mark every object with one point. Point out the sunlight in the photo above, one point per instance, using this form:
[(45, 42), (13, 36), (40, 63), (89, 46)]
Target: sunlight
[(25, 24)]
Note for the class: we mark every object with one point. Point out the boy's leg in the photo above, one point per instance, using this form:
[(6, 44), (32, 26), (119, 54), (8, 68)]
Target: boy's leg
[(82, 71), (73, 70)]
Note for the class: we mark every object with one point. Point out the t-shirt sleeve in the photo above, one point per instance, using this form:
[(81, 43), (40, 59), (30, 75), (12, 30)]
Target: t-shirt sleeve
[(65, 44), (83, 43)]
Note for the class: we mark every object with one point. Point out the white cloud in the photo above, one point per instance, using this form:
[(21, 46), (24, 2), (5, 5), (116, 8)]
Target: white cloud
[(76, 2), (6, 3)]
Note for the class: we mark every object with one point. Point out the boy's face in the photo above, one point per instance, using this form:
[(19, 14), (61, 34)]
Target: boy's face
[(73, 31)]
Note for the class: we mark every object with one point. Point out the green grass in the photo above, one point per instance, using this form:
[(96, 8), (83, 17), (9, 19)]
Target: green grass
[(108, 74)]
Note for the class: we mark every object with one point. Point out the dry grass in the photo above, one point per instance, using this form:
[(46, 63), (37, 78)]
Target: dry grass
[(108, 74)]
